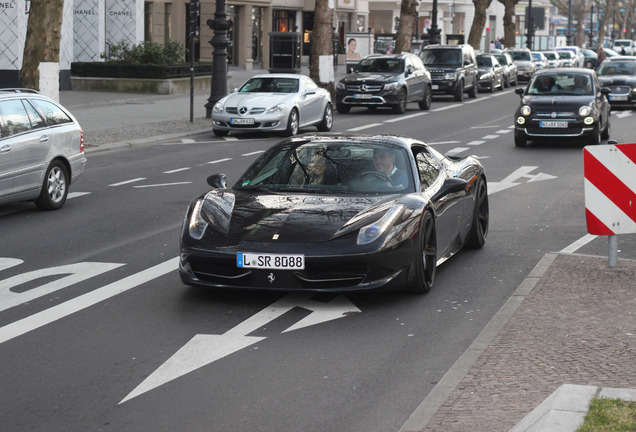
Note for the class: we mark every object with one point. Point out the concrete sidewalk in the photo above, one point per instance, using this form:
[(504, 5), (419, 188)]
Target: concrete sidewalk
[(572, 321)]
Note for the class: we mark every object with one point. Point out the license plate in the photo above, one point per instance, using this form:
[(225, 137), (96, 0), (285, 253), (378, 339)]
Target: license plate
[(618, 98), (435, 87), (553, 124), (241, 121), (362, 96), (270, 261)]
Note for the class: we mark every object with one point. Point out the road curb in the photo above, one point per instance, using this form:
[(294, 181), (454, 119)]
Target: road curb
[(144, 141)]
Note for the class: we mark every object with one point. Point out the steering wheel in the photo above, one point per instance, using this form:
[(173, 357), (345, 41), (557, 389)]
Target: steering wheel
[(375, 175)]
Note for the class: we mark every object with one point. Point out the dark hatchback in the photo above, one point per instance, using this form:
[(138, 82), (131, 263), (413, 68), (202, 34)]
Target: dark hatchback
[(385, 81), (620, 77), (563, 104)]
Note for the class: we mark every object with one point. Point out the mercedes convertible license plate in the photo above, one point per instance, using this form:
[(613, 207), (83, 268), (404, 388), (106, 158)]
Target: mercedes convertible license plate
[(270, 261), (241, 121), (553, 124), (362, 96)]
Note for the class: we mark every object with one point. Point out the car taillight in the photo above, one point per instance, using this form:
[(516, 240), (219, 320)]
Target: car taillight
[(81, 140)]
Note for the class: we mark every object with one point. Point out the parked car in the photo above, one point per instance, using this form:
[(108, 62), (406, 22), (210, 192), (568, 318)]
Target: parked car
[(567, 58), (540, 60), (273, 102), (620, 77), (579, 58), (522, 57), (563, 103), (509, 69), (624, 44), (41, 149), (553, 59), (590, 58), (336, 213), (622, 58), (453, 70), (490, 73), (391, 80)]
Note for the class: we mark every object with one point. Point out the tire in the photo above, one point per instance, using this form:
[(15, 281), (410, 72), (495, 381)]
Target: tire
[(426, 257), (481, 216), (492, 86), (459, 92), (596, 138), (292, 123), (515, 82), (608, 128), (327, 119), (472, 93), (400, 107), (54, 187), (219, 132), (520, 141), (342, 108), (506, 82), (426, 102)]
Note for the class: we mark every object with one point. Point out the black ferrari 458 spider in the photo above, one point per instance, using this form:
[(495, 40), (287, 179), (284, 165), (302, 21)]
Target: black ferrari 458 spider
[(336, 213)]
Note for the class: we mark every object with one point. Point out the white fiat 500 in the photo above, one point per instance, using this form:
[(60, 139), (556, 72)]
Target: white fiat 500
[(274, 102)]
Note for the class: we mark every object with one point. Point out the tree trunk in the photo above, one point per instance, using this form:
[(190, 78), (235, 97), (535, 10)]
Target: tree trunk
[(404, 37), (321, 43), (479, 22), (580, 23), (42, 43), (509, 23)]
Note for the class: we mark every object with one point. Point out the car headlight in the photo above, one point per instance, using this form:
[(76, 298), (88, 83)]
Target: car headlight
[(521, 120), (525, 110), (588, 120), (341, 85), (390, 86), (585, 110), (372, 232), (485, 76), (218, 107), (277, 108), (197, 225), (450, 75)]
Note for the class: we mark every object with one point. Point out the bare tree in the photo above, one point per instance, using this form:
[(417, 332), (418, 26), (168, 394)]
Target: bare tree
[(510, 30), (42, 43), (404, 37), (321, 38), (479, 22)]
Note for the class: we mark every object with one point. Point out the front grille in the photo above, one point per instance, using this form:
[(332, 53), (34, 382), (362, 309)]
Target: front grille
[(370, 88), (437, 76), (620, 90), (554, 131), (253, 111)]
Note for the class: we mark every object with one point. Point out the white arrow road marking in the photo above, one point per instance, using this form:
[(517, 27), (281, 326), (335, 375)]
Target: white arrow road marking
[(72, 195), (6, 263), (622, 114), (202, 350), (511, 180)]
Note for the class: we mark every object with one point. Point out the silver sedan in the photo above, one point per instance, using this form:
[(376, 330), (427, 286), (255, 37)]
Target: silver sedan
[(274, 102)]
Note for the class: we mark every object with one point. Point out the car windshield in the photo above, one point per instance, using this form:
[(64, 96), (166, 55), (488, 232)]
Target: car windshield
[(536, 56), (270, 85), (502, 59), (622, 43), (550, 55), (331, 167), (566, 54), (442, 57), (484, 62), (520, 55), (383, 65), (561, 84), (617, 68)]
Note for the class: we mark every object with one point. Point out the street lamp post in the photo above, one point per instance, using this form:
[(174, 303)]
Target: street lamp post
[(568, 35), (434, 31), (220, 24), (530, 26), (592, 25)]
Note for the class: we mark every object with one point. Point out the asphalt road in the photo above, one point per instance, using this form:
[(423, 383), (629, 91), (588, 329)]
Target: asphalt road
[(97, 332)]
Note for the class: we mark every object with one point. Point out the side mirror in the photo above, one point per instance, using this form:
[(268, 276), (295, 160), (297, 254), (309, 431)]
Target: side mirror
[(520, 91), (606, 90), (218, 181)]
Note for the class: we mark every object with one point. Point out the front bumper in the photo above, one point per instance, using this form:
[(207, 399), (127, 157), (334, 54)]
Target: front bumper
[(622, 95), (525, 74), (374, 98), (261, 122), (444, 87)]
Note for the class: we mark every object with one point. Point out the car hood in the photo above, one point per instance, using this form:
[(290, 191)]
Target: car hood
[(617, 80), (484, 70), (251, 100), (370, 76), (556, 103), (250, 216)]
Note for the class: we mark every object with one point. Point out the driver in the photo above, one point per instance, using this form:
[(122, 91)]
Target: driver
[(384, 162)]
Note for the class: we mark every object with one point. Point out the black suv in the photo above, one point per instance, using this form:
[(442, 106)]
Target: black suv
[(453, 69), (391, 80)]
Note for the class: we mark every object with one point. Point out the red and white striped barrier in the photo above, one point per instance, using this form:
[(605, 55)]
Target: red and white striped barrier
[(610, 189)]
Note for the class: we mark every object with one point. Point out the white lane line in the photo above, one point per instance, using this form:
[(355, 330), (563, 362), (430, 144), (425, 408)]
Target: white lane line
[(405, 117), (67, 308), (578, 244), (359, 128), (474, 101), (487, 137), (187, 140), (128, 181), (162, 184), (230, 138), (445, 108), (77, 194), (475, 143), (504, 131), (176, 170), (456, 150), (219, 161), (253, 153)]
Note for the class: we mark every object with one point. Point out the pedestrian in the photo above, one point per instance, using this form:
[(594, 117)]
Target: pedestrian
[(600, 56), (497, 44), (623, 52)]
